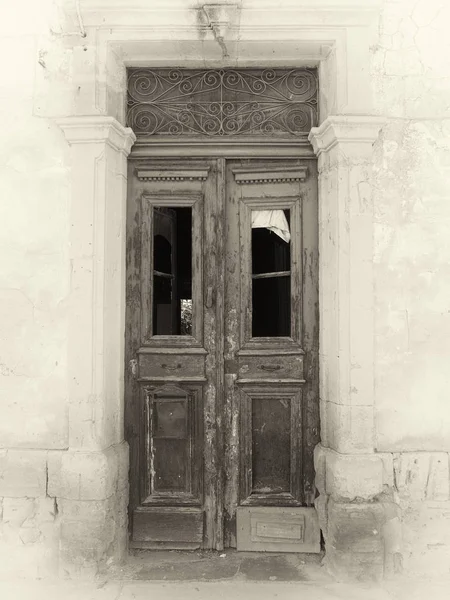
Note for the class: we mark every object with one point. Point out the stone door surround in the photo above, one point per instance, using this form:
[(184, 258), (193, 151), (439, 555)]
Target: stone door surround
[(334, 35)]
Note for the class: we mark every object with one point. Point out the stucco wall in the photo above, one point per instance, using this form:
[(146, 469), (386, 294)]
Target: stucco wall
[(411, 76), (34, 269), (411, 84), (34, 276)]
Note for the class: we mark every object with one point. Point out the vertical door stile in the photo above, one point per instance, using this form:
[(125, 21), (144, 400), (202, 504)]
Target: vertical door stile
[(310, 328), (132, 340), (231, 344), (220, 317), (212, 406)]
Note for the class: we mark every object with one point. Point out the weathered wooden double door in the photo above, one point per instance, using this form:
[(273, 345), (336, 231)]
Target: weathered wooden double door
[(222, 353)]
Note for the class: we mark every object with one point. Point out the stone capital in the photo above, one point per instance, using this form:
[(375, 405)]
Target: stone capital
[(354, 133), (97, 130)]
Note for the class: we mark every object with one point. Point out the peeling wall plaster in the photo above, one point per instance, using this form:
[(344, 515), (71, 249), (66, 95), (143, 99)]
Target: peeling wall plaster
[(34, 266), (411, 77)]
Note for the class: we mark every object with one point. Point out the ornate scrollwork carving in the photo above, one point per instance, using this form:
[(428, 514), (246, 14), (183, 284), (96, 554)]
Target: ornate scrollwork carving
[(223, 102)]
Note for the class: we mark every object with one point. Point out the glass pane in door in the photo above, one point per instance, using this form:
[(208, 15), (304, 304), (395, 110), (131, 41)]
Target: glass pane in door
[(271, 273), (172, 270)]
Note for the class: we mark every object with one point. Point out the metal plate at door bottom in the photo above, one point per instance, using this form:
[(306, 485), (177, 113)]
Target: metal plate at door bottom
[(276, 529)]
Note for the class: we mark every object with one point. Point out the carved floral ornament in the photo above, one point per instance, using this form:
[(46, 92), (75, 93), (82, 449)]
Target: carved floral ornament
[(224, 102)]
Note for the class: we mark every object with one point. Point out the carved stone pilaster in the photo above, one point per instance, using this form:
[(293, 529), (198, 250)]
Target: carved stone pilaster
[(90, 480)]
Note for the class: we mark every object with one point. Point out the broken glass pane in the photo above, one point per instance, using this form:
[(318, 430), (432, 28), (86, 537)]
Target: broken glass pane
[(271, 273)]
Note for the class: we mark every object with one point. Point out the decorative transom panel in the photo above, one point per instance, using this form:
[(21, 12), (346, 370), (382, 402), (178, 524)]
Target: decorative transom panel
[(222, 102)]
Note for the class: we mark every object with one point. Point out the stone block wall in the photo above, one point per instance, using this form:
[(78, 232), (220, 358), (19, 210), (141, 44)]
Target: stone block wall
[(421, 490), (29, 523), (389, 513), (92, 493), (62, 513)]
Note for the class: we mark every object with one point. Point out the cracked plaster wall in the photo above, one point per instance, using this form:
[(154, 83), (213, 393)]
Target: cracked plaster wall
[(34, 272), (34, 283), (411, 75), (411, 79)]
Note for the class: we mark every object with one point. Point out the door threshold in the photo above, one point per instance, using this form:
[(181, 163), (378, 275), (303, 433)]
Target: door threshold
[(229, 565)]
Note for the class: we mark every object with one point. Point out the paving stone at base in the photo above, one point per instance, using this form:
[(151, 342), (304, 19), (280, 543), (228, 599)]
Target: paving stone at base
[(219, 566), (271, 568)]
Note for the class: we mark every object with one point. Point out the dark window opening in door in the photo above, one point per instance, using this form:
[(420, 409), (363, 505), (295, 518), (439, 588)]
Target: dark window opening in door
[(271, 273), (172, 271)]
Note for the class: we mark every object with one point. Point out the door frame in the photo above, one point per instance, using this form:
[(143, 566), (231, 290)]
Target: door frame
[(97, 184), (215, 526)]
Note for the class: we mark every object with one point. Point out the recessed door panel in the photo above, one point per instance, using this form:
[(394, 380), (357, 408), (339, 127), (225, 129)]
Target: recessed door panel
[(172, 436), (271, 445)]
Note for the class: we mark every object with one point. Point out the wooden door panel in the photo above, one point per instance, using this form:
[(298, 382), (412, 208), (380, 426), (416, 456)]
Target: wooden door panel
[(171, 353), (271, 352), (271, 443), (267, 366), (171, 445), (166, 367), (162, 527), (290, 529)]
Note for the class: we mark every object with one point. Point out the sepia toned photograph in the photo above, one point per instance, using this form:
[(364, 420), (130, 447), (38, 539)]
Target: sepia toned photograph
[(225, 300)]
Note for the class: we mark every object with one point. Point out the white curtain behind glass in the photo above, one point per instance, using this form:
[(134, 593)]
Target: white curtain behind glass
[(274, 220)]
